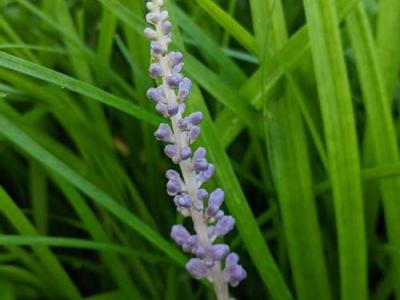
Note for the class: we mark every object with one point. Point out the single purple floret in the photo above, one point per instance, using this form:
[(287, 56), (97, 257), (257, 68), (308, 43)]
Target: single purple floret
[(179, 234), (224, 225), (164, 133), (197, 268), (175, 58)]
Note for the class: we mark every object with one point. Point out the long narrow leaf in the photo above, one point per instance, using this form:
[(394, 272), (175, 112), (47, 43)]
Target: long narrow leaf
[(340, 137)]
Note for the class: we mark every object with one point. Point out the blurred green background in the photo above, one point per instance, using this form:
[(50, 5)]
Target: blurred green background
[(301, 104)]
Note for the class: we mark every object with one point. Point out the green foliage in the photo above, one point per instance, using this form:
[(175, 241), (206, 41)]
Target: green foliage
[(301, 120)]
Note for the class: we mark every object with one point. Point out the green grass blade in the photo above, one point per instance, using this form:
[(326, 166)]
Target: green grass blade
[(388, 42), (116, 267), (229, 71), (223, 93), (73, 243), (292, 175), (379, 114), (340, 137), (17, 275), (289, 55), (39, 197), (27, 144), (369, 174), (230, 25), (22, 66), (291, 170), (61, 279), (116, 295), (108, 26), (7, 291)]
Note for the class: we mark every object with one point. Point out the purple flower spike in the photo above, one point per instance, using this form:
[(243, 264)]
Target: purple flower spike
[(224, 225), (197, 268), (209, 220), (179, 234)]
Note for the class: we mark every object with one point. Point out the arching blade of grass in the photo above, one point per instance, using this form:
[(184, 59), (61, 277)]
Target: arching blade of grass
[(290, 54), (28, 145), (73, 39), (7, 291), (38, 191), (73, 243), (25, 67), (76, 163), (229, 71), (340, 137), (91, 223), (17, 39), (388, 42), (116, 295), (13, 276), (380, 122), (107, 30), (222, 92), (19, 221), (369, 174), (291, 171), (231, 26), (55, 50)]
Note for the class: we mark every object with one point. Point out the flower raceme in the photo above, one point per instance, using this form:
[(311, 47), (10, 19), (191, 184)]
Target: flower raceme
[(213, 261)]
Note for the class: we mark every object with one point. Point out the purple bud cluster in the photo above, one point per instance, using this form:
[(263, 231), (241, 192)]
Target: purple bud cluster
[(212, 260)]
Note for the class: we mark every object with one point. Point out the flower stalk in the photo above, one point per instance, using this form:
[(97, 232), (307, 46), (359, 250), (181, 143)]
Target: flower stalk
[(213, 261)]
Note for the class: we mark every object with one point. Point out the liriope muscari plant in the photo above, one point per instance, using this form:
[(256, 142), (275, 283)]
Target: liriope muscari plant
[(213, 261)]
